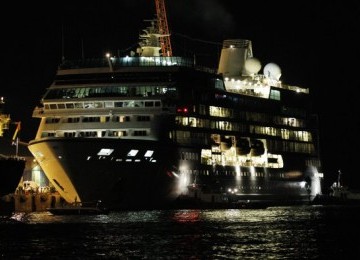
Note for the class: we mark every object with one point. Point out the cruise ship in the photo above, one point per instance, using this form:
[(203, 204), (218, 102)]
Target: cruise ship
[(147, 130), (11, 165)]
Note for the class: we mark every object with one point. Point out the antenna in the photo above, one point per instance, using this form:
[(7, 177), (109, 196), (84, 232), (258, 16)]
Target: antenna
[(82, 49), (62, 43), (339, 176)]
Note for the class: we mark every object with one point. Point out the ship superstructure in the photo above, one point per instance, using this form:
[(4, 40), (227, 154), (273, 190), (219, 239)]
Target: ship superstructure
[(145, 129)]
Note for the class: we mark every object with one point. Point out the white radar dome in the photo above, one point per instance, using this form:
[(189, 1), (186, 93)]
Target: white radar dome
[(252, 66), (272, 71)]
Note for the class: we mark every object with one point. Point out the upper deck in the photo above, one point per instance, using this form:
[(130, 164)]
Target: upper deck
[(114, 63)]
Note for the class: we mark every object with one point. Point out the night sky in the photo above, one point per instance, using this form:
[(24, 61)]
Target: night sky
[(315, 44)]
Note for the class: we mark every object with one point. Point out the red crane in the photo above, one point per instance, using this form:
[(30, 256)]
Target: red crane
[(163, 28)]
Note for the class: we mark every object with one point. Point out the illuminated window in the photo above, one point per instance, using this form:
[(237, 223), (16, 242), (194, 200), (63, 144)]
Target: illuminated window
[(105, 151), (149, 153), (133, 153), (275, 94)]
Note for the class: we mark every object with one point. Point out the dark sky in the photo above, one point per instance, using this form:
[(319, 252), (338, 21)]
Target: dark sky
[(315, 44)]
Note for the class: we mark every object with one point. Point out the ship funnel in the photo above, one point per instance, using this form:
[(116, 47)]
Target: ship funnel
[(233, 56)]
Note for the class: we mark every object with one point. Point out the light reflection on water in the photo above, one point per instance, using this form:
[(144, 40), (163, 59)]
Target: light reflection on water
[(301, 232)]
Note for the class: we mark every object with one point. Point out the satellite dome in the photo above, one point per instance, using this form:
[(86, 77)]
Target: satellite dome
[(272, 71), (252, 66)]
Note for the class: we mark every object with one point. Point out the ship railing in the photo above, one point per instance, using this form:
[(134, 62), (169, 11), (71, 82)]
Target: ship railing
[(279, 84), (292, 88), (295, 88), (15, 157), (128, 61), (247, 92)]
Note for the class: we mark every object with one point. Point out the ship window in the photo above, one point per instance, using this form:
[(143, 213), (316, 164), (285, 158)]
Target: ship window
[(143, 118), (275, 94), (115, 119), (69, 105), (89, 105), (98, 104), (52, 120), (202, 110), (117, 133), (53, 106), (132, 153), (73, 119), (91, 119), (109, 104), (140, 133), (69, 134), (118, 104), (139, 104), (104, 119), (105, 151), (149, 103), (157, 103), (61, 106), (149, 153), (90, 133), (79, 105)]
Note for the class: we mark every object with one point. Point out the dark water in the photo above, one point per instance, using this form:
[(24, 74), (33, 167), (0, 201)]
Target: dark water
[(300, 232)]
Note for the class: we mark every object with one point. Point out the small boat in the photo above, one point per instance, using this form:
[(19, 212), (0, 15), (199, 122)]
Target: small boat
[(344, 193), (79, 209), (339, 195)]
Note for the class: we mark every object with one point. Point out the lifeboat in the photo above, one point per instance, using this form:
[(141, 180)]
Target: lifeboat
[(257, 147), (242, 146), (226, 143)]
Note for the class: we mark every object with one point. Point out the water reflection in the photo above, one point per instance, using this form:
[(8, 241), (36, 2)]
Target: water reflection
[(187, 215), (278, 233)]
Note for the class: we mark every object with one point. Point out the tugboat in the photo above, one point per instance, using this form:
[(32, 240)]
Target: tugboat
[(338, 195), (343, 193)]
